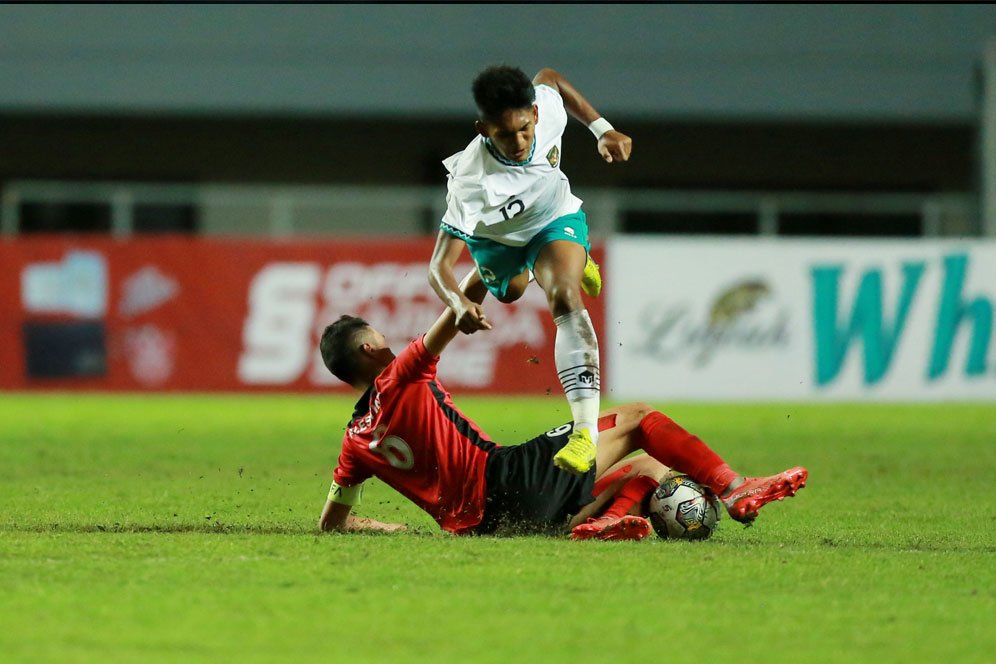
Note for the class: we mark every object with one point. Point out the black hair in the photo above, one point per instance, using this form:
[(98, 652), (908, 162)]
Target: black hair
[(338, 347), (500, 88)]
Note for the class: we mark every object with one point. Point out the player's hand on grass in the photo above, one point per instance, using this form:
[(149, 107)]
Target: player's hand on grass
[(470, 317), (359, 524), (615, 146)]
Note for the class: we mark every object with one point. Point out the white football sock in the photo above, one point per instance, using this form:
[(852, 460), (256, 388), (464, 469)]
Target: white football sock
[(575, 352)]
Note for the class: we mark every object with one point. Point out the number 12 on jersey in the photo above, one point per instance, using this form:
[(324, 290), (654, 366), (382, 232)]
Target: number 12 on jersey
[(516, 205)]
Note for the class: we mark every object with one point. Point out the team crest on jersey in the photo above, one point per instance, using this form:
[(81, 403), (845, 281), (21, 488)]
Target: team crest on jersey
[(553, 156)]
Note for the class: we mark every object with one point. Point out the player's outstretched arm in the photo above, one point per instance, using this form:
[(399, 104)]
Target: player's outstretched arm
[(444, 330), (614, 146), (468, 314), (337, 517)]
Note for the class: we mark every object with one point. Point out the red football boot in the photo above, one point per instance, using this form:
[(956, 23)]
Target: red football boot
[(628, 527), (756, 492)]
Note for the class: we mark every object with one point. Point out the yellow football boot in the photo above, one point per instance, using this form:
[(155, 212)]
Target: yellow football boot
[(577, 455), (591, 280)]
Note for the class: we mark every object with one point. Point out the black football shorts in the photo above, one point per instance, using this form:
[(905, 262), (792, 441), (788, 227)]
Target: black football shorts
[(527, 494)]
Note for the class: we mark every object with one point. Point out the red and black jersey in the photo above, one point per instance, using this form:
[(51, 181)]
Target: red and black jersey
[(407, 432)]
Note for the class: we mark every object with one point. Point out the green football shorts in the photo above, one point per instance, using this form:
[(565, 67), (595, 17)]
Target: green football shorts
[(499, 263)]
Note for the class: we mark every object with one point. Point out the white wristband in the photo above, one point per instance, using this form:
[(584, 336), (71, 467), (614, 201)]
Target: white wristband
[(599, 127)]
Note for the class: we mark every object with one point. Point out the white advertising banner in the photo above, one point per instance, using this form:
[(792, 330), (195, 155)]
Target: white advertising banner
[(777, 319)]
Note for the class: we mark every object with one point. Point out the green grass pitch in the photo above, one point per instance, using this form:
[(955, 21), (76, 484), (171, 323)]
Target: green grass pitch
[(182, 529)]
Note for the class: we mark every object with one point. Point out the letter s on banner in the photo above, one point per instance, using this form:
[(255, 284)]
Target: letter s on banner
[(276, 337)]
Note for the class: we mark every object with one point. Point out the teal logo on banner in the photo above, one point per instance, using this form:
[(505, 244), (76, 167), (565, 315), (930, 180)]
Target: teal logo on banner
[(952, 313), (833, 334)]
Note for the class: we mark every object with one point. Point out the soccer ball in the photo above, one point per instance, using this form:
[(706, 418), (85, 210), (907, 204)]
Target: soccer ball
[(682, 509)]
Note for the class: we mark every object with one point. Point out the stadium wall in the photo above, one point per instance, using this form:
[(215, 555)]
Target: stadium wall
[(858, 62), (684, 319)]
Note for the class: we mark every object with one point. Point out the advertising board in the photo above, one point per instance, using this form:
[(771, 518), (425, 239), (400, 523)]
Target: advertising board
[(217, 314), (778, 319)]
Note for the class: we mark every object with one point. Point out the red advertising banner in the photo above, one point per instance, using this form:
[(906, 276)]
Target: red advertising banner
[(199, 314)]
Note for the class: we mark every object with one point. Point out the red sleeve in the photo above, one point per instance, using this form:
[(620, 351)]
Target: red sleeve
[(349, 471), (414, 364)]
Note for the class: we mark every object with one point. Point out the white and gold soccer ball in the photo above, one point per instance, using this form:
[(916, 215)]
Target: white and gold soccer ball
[(682, 509)]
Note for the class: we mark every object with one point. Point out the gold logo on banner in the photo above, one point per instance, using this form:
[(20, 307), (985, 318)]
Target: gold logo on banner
[(737, 301), (553, 156)]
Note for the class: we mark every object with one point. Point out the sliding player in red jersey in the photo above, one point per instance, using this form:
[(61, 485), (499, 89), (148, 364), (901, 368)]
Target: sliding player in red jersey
[(407, 432)]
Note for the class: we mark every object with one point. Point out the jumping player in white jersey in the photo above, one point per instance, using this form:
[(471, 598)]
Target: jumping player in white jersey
[(512, 206)]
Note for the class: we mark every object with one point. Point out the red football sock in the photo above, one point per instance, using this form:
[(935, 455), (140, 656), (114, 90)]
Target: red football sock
[(635, 490), (667, 442), (603, 483)]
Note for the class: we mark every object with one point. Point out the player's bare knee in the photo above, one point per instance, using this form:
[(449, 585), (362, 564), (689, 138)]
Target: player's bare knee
[(563, 299), (644, 464), (634, 413)]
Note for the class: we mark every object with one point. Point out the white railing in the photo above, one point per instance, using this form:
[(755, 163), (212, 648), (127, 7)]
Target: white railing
[(280, 211)]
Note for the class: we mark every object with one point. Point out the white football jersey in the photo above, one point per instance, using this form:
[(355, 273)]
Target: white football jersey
[(489, 197)]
